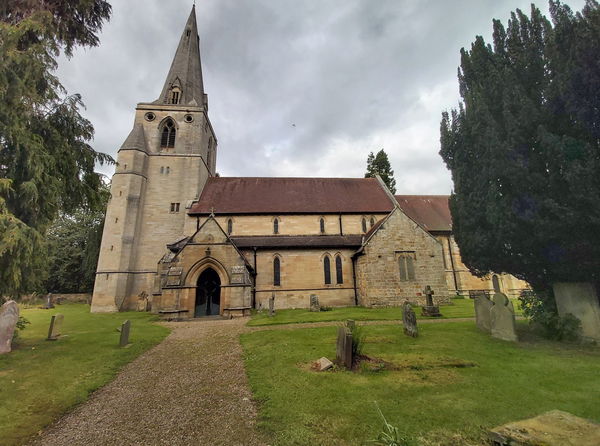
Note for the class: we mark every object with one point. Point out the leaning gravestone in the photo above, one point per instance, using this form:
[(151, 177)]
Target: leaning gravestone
[(125, 328), (9, 316), (502, 319), (55, 326), (344, 347), (314, 303), (483, 307), (272, 306), (409, 320)]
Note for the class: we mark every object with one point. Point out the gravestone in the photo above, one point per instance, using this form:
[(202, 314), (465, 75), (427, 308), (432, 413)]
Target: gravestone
[(350, 324), (343, 354), (272, 305), (324, 364), (142, 304), (9, 316), (502, 319), (430, 309), (55, 326), (483, 307), (125, 328), (581, 300), (409, 320), (314, 303), (49, 302)]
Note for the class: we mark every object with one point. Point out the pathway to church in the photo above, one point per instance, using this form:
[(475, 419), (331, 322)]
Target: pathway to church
[(189, 390)]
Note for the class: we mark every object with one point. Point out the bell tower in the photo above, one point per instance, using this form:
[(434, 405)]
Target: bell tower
[(161, 169)]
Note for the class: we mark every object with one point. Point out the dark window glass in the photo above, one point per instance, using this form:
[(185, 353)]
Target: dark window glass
[(338, 270), (327, 270), (167, 137), (322, 225), (276, 272), (229, 226), (276, 226), (364, 224), (372, 222)]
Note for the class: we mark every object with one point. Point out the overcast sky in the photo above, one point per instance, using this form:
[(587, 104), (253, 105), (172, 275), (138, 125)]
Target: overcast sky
[(296, 87)]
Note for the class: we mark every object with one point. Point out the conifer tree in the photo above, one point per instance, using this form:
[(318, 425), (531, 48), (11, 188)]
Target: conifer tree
[(46, 162), (380, 165), (524, 148)]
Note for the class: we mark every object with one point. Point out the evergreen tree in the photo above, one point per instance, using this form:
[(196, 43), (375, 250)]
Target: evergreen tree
[(46, 162), (380, 165), (524, 148)]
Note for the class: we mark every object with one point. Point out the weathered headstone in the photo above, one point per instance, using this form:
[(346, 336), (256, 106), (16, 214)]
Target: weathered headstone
[(344, 347), (9, 316), (272, 305), (125, 328), (430, 309), (324, 364), (55, 326), (554, 428), (49, 302), (409, 320), (483, 306), (314, 303), (502, 319), (350, 324), (581, 300), (142, 304)]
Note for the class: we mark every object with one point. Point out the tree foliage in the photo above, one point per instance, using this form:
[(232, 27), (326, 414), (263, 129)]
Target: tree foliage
[(380, 165), (73, 248), (524, 148), (46, 161)]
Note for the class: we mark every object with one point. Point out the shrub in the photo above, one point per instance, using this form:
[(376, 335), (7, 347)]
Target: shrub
[(540, 308), (21, 325), (325, 308), (358, 340)]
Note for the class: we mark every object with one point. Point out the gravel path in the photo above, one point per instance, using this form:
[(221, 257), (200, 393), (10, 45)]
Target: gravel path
[(189, 390)]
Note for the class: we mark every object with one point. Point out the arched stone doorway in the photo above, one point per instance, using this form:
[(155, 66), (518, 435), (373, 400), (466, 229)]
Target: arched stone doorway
[(208, 294)]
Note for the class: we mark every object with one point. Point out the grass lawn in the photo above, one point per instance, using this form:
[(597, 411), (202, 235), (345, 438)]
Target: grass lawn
[(42, 379), (427, 397), (459, 308)]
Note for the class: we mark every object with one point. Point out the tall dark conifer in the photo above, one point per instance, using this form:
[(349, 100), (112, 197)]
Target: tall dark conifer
[(524, 148), (380, 165)]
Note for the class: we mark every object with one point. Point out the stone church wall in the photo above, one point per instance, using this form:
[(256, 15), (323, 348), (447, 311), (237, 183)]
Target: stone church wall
[(378, 269)]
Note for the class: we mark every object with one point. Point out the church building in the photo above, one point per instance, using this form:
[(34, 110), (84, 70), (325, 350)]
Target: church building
[(192, 244)]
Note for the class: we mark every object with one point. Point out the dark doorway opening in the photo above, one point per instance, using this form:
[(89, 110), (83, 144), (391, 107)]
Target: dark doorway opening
[(208, 294)]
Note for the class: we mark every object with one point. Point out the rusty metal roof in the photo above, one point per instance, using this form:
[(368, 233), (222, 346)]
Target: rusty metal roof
[(298, 241), (265, 195), (431, 211)]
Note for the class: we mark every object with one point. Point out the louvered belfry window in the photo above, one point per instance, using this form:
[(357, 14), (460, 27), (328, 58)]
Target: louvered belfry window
[(167, 137)]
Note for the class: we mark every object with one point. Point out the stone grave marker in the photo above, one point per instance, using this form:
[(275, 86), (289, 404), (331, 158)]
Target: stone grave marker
[(49, 302), (9, 316), (314, 303), (55, 326), (502, 319), (351, 324), (483, 306), (409, 320), (344, 347), (272, 305), (430, 309), (324, 364), (125, 328)]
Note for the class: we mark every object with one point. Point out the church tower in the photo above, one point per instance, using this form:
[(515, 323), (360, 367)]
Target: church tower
[(161, 169)]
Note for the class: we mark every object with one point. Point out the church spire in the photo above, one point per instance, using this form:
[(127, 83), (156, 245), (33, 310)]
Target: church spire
[(184, 81)]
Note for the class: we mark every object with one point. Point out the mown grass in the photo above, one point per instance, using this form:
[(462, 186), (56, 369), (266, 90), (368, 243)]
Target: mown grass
[(459, 308), (427, 397), (40, 380)]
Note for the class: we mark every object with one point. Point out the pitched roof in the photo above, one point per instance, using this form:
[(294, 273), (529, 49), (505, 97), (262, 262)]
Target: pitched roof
[(431, 211), (186, 69), (136, 139), (298, 241), (265, 195)]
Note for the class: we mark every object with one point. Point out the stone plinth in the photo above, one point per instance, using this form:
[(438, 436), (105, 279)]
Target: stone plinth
[(580, 300)]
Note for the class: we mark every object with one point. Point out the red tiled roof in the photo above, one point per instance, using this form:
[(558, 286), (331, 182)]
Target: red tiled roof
[(298, 241), (431, 211), (252, 195)]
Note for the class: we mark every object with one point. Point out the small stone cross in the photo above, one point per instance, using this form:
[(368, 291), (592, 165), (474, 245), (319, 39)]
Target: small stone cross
[(429, 295)]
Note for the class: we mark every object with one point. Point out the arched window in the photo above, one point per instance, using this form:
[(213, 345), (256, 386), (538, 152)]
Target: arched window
[(327, 270), (276, 271), (276, 226), (372, 222), (229, 226), (339, 275), (167, 137), (322, 225), (364, 224)]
